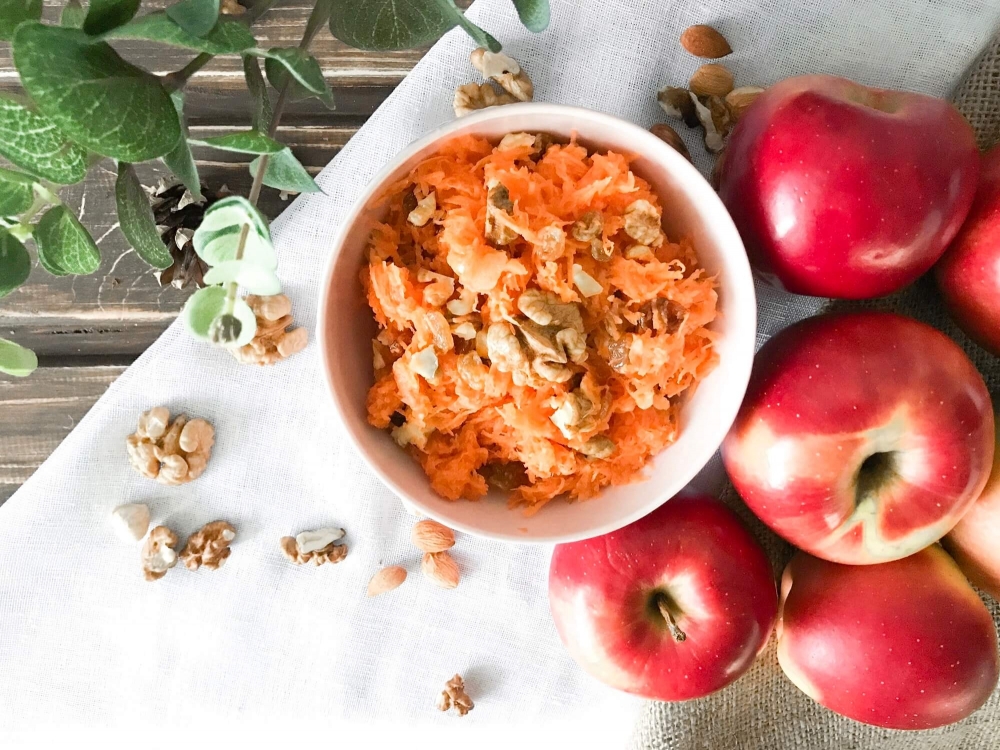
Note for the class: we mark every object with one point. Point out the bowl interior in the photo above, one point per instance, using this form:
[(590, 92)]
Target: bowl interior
[(691, 208)]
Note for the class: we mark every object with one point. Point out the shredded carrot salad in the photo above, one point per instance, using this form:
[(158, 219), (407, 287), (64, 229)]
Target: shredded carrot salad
[(537, 330)]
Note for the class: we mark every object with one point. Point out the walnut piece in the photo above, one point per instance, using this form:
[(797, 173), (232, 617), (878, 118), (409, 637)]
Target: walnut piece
[(454, 695), (505, 70), (498, 203), (208, 546), (424, 210), (273, 341), (642, 223), (472, 96), (599, 446), (504, 349), (308, 552), (170, 452), (547, 309), (158, 554)]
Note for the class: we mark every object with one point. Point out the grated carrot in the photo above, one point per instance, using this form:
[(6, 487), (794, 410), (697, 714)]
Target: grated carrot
[(461, 413)]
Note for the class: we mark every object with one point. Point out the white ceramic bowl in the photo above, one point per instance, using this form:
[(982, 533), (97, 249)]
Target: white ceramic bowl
[(691, 208)]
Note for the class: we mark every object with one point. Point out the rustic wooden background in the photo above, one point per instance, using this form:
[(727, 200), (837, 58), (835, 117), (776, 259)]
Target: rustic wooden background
[(87, 329)]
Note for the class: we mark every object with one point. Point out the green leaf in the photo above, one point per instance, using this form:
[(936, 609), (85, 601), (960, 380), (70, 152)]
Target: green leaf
[(253, 278), (299, 63), (195, 16), (15, 263), (16, 360), (389, 24), (534, 14), (479, 36), (17, 193), (14, 12), (228, 36), (73, 15), (217, 239), (285, 172), (279, 76), (34, 143), (206, 305), (65, 244), (180, 161), (104, 15), (246, 142), (258, 91), (136, 219), (93, 95)]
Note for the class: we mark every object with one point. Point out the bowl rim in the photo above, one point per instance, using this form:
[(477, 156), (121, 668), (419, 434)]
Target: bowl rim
[(362, 201)]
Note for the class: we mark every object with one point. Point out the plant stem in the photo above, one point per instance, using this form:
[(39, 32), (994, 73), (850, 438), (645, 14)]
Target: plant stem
[(317, 18), (678, 634)]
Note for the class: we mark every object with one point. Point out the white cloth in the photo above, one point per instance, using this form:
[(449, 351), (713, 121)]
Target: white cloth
[(86, 643)]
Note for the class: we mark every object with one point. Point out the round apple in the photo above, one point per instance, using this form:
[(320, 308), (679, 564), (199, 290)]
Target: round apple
[(975, 541), (904, 645), (863, 437), (969, 273), (840, 190), (674, 606)]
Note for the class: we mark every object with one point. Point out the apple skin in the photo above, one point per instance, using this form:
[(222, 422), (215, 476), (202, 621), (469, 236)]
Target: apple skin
[(863, 437), (903, 645), (975, 541), (603, 593), (969, 273), (840, 190)]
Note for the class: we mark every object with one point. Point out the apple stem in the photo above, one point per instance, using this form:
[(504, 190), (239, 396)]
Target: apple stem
[(678, 634)]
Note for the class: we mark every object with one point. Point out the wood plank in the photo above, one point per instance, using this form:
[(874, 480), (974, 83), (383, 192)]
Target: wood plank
[(36, 413), (121, 309)]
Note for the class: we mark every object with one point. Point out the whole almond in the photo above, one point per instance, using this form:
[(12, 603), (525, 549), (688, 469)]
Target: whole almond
[(741, 98), (711, 79), (704, 41), (441, 568), (386, 579), (431, 536), (670, 136)]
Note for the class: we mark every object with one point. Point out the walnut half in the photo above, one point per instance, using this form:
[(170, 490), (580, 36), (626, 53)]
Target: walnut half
[(273, 341), (170, 452), (454, 695), (208, 546)]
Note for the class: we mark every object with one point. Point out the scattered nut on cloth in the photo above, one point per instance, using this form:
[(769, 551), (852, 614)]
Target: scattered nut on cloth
[(431, 536), (386, 580), (505, 72), (131, 521), (305, 548), (441, 569), (273, 341), (454, 695), (158, 555), (208, 546), (170, 452)]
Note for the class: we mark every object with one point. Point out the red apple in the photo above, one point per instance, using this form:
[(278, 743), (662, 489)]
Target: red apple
[(674, 606), (905, 645), (840, 190), (975, 541), (969, 273), (863, 437)]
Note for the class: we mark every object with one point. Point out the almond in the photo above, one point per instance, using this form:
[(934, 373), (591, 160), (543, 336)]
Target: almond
[(704, 41), (711, 79), (431, 536), (386, 579), (670, 136), (441, 568), (741, 98)]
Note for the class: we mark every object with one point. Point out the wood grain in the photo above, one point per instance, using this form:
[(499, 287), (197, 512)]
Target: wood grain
[(36, 413)]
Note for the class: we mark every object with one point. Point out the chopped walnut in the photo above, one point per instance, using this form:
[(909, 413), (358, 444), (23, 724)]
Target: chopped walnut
[(553, 344), (639, 252), (571, 413), (170, 452), (439, 287), (642, 223), (498, 202), (454, 695), (158, 554), (305, 551), (550, 243), (551, 371), (465, 304), (505, 70), (272, 342), (473, 96), (515, 140), (714, 116), (208, 546), (424, 211), (599, 446), (504, 348), (547, 309), (473, 370)]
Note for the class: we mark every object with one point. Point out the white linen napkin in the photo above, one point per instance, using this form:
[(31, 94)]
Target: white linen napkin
[(263, 645)]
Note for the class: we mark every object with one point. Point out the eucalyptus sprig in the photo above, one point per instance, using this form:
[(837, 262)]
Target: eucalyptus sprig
[(82, 101)]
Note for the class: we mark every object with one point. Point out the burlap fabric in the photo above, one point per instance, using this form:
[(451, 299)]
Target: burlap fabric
[(764, 710)]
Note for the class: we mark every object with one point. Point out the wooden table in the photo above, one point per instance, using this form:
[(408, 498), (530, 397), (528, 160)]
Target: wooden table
[(87, 329)]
